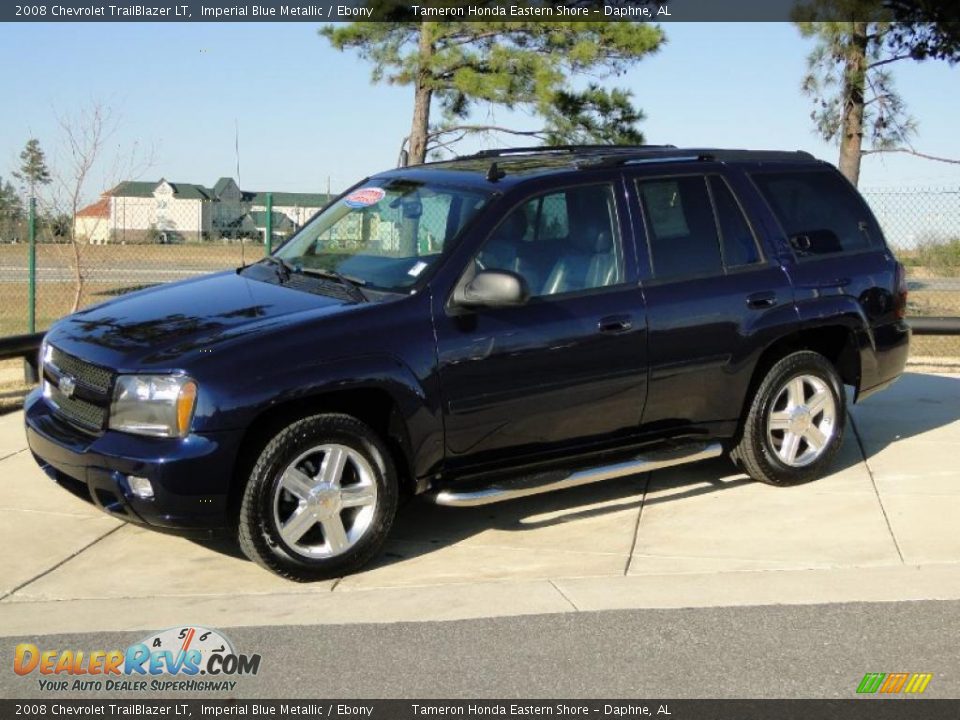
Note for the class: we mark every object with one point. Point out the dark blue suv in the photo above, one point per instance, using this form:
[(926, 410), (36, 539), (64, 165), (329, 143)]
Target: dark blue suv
[(494, 326)]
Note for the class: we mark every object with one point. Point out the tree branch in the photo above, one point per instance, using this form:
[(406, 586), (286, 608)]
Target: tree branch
[(911, 151), (433, 134), (887, 61)]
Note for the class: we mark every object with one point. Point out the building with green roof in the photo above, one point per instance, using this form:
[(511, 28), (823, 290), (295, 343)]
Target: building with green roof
[(136, 211)]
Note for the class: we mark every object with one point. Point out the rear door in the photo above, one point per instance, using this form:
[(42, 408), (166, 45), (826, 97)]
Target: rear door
[(714, 297), (843, 272)]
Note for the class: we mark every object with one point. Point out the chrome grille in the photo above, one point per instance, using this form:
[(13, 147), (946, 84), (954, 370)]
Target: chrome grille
[(93, 376), (79, 412)]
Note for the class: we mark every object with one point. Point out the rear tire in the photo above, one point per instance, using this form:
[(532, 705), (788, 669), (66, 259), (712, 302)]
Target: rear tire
[(320, 499), (795, 423)]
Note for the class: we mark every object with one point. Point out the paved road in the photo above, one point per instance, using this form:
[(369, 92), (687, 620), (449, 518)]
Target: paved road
[(773, 651)]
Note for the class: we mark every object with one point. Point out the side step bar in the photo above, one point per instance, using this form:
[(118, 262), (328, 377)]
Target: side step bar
[(560, 480)]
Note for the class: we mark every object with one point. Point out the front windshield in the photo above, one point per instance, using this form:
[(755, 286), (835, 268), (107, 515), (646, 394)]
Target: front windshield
[(384, 235)]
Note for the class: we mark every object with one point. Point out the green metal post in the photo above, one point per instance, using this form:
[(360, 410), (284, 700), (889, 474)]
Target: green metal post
[(32, 267), (268, 230)]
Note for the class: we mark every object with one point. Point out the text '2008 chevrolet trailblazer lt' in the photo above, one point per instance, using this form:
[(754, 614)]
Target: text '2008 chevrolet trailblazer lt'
[(480, 329)]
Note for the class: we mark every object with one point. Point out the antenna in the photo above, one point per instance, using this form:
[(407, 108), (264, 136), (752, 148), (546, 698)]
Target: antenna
[(236, 148), (495, 173)]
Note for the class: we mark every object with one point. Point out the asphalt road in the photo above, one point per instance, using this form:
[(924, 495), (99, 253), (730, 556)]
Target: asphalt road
[(817, 651)]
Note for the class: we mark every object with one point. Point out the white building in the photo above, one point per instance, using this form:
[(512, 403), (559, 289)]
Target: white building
[(164, 211)]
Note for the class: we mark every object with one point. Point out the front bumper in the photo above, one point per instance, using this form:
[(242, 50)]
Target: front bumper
[(191, 476)]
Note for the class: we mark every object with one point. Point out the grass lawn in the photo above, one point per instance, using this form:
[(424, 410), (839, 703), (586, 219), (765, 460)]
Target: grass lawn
[(55, 299)]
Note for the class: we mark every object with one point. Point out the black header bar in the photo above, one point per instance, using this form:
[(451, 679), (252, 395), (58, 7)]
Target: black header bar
[(321, 11)]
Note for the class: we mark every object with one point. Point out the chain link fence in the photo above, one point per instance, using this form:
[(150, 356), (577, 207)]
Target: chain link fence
[(922, 225), (154, 235), (132, 239)]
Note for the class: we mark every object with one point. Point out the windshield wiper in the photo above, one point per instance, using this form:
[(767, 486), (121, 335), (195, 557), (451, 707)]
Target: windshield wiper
[(282, 267), (333, 275), (347, 281)]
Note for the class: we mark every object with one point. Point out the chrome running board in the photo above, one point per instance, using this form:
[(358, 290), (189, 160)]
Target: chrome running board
[(561, 480)]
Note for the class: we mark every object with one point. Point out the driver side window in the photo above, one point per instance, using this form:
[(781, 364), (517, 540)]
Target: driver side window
[(560, 242)]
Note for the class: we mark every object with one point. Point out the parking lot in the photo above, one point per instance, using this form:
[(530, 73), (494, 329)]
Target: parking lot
[(881, 526)]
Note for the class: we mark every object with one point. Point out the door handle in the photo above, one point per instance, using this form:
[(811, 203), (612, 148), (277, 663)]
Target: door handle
[(615, 324), (761, 300)]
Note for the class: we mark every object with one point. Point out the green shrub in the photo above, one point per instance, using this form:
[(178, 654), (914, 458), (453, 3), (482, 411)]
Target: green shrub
[(940, 256)]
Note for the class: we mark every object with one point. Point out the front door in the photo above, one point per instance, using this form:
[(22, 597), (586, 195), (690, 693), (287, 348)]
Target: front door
[(567, 370)]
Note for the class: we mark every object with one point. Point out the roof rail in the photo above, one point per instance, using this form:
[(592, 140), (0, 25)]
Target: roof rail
[(757, 155), (568, 149), (653, 154)]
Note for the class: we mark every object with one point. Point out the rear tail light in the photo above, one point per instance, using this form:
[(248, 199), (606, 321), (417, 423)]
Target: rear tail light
[(900, 301)]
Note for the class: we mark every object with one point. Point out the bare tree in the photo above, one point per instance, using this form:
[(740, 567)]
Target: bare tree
[(85, 137)]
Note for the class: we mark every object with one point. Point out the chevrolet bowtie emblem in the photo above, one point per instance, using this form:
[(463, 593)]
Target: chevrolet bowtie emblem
[(67, 385)]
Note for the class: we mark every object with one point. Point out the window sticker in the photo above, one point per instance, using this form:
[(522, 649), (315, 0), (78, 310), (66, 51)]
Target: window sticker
[(365, 197), (417, 269)]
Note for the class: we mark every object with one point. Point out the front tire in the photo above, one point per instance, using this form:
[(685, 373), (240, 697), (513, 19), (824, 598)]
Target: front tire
[(795, 423), (320, 499)]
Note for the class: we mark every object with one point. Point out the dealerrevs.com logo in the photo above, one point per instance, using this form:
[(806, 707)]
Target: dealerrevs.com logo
[(188, 659)]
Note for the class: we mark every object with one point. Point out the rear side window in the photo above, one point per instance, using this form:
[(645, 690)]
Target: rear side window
[(680, 227), (819, 211), (739, 243)]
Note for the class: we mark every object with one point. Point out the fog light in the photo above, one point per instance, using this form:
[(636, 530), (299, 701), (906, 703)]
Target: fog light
[(141, 487)]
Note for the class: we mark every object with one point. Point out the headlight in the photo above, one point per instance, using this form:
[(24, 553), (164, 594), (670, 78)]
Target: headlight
[(158, 405), (45, 354)]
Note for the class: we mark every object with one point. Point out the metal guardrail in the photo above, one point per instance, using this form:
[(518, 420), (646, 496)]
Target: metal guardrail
[(27, 347), (935, 325)]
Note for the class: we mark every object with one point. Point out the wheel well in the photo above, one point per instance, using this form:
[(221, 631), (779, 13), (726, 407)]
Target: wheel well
[(835, 342), (373, 406)]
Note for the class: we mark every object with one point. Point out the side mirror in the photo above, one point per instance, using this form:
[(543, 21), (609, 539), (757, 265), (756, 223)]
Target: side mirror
[(493, 288)]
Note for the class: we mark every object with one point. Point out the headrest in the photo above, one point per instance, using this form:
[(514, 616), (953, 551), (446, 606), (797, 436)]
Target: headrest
[(590, 228)]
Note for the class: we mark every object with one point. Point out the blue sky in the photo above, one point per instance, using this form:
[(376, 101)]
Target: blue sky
[(307, 113)]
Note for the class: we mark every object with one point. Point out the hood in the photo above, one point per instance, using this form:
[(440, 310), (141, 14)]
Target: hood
[(161, 325)]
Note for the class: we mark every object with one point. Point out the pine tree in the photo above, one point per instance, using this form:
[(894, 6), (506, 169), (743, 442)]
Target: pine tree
[(849, 79), (33, 167), (516, 65)]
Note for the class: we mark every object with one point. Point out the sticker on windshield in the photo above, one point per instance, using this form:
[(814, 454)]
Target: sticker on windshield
[(365, 197), (417, 269)]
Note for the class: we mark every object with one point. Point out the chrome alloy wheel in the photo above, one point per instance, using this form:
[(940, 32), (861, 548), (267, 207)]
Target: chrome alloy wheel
[(802, 420), (325, 501)]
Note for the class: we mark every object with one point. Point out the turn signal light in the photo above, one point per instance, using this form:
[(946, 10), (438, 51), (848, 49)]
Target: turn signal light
[(186, 401)]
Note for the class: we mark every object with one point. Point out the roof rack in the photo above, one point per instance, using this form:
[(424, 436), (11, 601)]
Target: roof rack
[(654, 154), (565, 149)]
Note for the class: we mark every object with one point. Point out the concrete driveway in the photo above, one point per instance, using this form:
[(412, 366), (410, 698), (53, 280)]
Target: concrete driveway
[(882, 526)]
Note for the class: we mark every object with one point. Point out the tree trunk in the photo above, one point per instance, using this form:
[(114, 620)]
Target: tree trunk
[(77, 273), (854, 84), (423, 94)]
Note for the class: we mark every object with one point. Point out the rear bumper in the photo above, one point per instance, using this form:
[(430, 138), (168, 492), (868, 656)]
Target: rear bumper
[(191, 476), (883, 363)]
